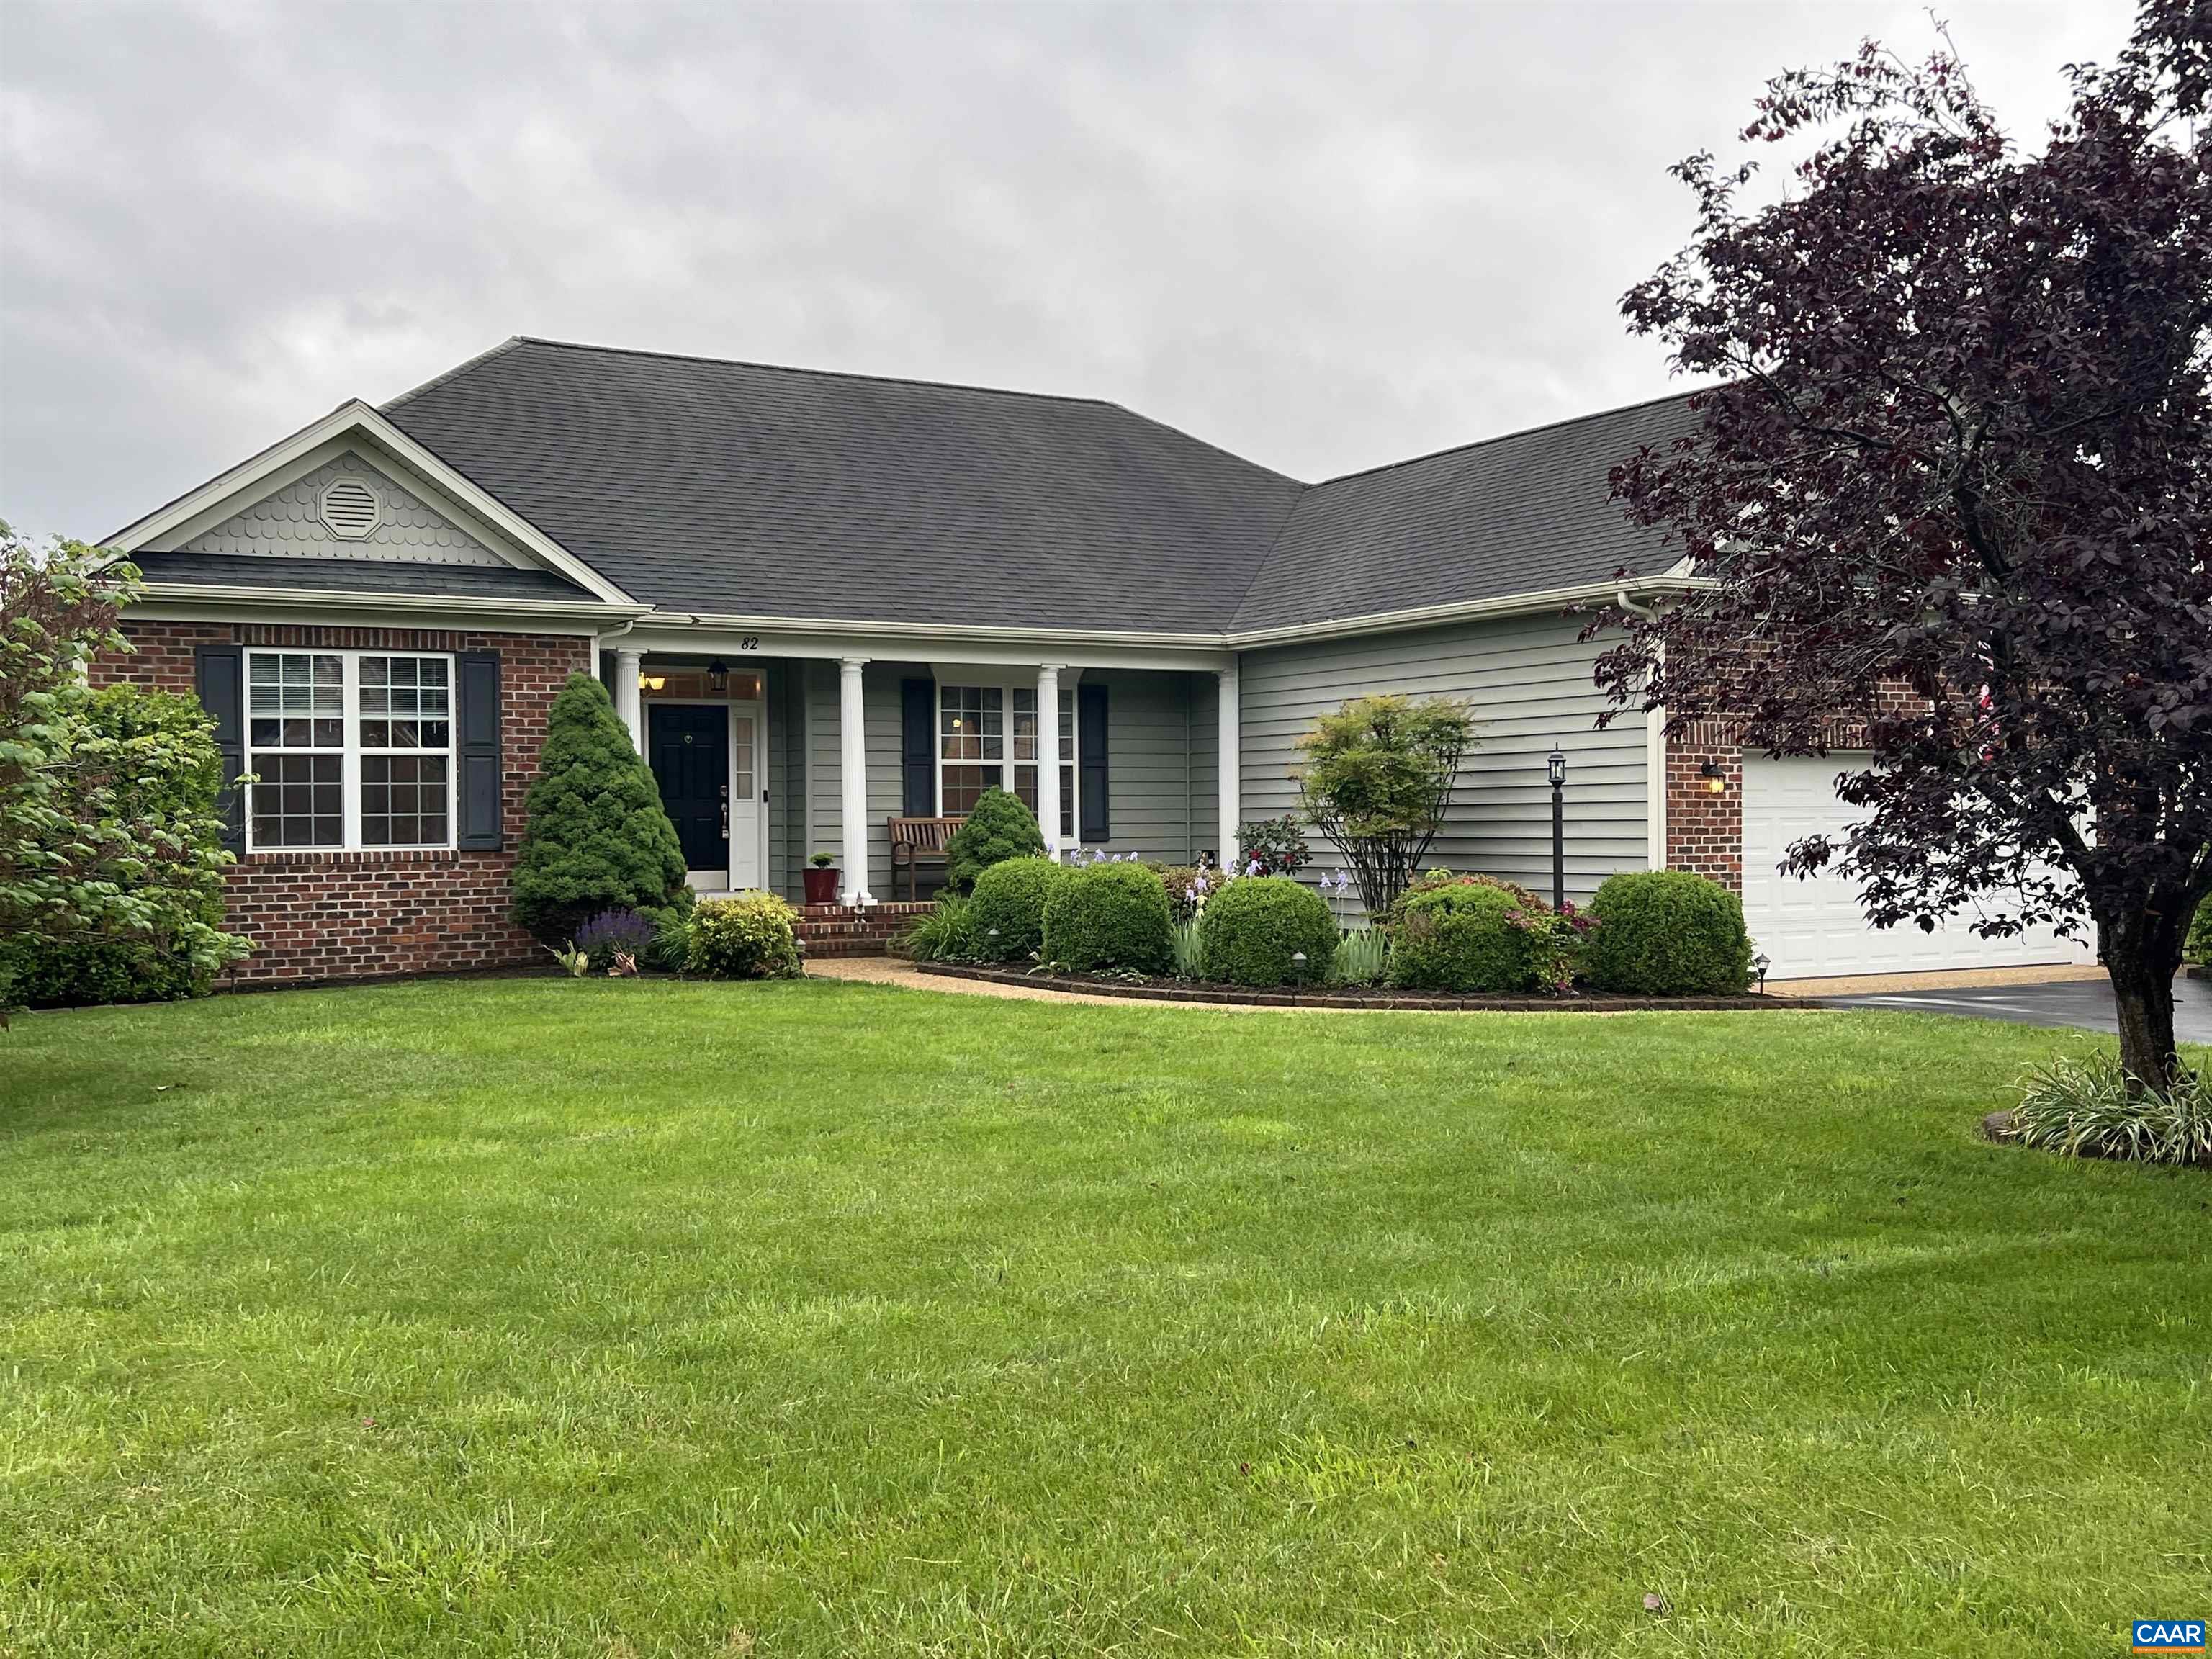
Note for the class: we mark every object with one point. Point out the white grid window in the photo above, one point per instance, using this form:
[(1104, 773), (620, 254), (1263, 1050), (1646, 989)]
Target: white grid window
[(350, 749), (987, 739)]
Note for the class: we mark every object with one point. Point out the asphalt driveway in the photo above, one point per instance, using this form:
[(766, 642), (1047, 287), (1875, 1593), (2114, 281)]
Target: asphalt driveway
[(2084, 1002)]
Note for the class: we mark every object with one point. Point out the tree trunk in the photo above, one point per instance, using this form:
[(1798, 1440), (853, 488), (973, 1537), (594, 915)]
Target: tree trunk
[(2143, 964)]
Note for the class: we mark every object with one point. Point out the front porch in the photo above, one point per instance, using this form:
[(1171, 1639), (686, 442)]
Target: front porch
[(765, 756)]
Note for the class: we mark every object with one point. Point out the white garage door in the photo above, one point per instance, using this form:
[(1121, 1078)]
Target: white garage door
[(1812, 928)]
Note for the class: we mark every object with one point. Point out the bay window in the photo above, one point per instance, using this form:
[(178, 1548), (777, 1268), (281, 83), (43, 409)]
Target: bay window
[(352, 749)]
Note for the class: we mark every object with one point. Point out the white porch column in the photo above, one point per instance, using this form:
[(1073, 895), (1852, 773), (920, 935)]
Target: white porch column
[(853, 779), (629, 698), (1047, 740), (1231, 769)]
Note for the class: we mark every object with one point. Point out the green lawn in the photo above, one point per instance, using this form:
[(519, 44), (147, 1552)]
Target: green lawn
[(621, 1318)]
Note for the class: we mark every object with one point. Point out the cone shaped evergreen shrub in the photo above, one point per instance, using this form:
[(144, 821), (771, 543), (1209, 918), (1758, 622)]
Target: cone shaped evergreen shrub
[(595, 837)]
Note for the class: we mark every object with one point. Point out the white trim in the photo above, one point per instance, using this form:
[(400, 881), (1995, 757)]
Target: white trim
[(233, 597), (356, 416), (350, 752), (810, 636)]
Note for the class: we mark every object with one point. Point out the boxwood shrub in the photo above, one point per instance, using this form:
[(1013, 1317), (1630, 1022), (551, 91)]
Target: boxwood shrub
[(1667, 933), (1429, 881), (1010, 897), (1459, 938), (1251, 930), (745, 937), (1108, 916)]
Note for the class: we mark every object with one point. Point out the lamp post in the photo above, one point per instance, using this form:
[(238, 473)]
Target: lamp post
[(1557, 766)]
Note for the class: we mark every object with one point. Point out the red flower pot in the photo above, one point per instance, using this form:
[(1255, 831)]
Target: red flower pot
[(821, 885)]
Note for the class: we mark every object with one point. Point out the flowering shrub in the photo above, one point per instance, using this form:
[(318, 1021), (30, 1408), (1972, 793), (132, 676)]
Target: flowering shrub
[(611, 932), (1554, 943), (747, 937), (1272, 847), (1431, 880)]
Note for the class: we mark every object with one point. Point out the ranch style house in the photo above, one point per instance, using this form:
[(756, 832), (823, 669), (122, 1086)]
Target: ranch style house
[(826, 602)]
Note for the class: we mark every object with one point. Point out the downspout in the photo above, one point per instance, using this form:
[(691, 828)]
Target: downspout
[(1654, 757)]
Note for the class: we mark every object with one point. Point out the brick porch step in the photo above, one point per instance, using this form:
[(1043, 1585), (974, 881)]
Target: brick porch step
[(846, 929)]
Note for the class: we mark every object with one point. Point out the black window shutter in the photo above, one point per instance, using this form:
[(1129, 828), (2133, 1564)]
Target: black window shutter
[(1098, 823), (219, 672), (482, 826), (917, 748)]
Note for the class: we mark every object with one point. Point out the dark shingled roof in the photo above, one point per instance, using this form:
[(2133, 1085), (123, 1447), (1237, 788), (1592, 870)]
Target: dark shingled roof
[(733, 488), (1519, 514), (389, 576), (703, 485)]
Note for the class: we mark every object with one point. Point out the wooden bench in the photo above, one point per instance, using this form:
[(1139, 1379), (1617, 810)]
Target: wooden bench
[(915, 839)]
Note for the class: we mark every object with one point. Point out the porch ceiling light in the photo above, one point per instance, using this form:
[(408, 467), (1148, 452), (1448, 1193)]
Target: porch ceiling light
[(652, 681)]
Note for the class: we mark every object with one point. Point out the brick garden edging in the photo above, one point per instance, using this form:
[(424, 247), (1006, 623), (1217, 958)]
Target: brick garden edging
[(1185, 991)]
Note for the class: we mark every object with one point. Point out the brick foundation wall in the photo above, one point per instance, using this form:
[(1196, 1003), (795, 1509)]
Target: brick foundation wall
[(316, 915)]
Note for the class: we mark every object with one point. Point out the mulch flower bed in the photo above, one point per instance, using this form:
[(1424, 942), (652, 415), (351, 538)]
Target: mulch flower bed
[(1344, 996)]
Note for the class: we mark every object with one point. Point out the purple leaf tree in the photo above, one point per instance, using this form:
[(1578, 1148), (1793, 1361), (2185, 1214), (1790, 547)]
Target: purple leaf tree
[(1953, 500)]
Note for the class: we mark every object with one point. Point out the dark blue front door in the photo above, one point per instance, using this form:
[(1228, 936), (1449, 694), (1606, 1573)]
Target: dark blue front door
[(691, 752)]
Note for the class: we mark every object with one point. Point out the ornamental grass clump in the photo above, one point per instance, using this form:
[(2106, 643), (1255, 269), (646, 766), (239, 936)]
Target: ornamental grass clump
[(1005, 912), (747, 936), (1362, 958), (1266, 930), (1111, 917), (998, 827), (944, 932), (2088, 1109), (1667, 933)]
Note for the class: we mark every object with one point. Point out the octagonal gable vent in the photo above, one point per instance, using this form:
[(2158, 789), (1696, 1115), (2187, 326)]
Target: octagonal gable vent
[(350, 509)]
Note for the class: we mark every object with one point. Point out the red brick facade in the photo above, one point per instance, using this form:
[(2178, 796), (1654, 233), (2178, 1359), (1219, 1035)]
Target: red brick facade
[(1705, 826), (314, 916)]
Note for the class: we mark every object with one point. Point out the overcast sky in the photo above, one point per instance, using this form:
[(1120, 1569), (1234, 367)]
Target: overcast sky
[(1323, 237)]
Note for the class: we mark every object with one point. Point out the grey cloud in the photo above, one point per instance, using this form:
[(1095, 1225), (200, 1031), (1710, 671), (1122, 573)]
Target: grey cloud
[(1320, 237)]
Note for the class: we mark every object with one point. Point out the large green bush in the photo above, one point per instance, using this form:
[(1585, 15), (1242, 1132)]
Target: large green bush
[(1108, 916), (595, 837), (1253, 931), (998, 829), (1009, 897), (748, 936), (164, 775), (2199, 948), (1462, 938), (1431, 880), (1667, 933)]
